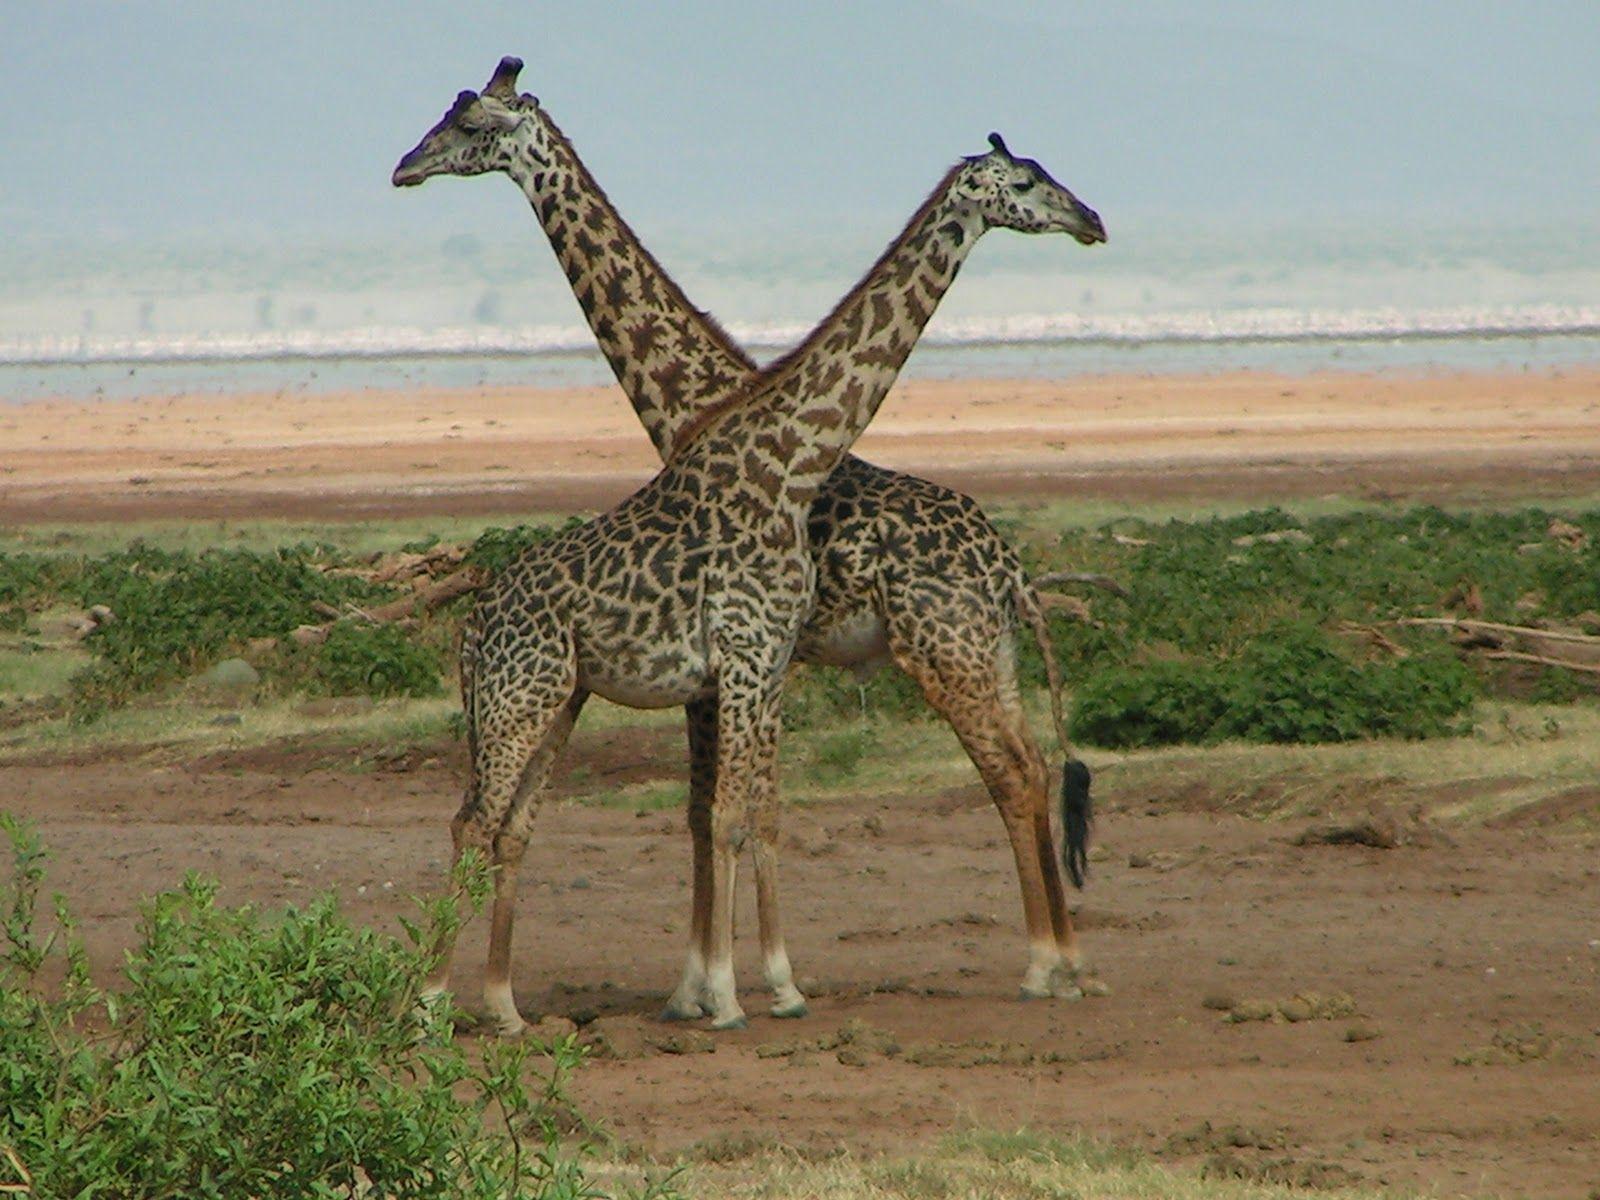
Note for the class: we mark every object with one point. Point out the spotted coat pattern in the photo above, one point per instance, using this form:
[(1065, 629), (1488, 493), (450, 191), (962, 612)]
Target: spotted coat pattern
[(897, 567)]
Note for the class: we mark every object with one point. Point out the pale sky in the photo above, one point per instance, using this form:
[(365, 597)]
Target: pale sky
[(285, 118)]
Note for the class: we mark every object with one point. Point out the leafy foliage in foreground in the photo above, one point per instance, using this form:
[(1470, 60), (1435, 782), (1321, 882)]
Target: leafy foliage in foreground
[(259, 1054)]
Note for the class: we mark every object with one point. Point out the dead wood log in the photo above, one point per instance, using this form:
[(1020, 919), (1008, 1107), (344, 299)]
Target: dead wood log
[(1103, 582), (1471, 625), (1542, 660)]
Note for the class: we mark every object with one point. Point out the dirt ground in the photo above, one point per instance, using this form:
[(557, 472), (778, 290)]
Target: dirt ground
[(1470, 1065), (1472, 960), (494, 450)]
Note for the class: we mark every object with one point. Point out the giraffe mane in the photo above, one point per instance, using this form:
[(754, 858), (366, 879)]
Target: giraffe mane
[(780, 368), (718, 334)]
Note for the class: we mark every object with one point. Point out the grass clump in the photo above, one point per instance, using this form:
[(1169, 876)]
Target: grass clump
[(256, 1053)]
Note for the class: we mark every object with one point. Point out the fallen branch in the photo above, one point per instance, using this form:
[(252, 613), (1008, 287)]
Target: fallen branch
[(1104, 582), (1376, 636), (1591, 668), (1470, 625), (441, 591)]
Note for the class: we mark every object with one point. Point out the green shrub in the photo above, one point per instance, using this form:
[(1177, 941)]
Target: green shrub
[(497, 546), (1154, 704), (1293, 683), (373, 660), (259, 1054), (177, 611), (835, 756)]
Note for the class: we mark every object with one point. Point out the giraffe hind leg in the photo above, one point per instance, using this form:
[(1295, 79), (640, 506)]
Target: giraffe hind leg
[(971, 685)]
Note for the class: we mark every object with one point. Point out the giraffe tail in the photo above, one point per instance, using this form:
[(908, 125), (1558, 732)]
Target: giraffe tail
[(1077, 808)]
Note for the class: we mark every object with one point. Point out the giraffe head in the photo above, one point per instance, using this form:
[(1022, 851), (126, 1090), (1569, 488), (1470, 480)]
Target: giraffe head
[(479, 134), (1017, 193)]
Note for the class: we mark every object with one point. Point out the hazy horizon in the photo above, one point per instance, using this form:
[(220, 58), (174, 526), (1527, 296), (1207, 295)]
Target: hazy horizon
[(154, 119)]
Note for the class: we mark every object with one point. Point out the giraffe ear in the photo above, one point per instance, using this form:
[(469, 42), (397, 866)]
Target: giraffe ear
[(483, 112), (999, 143), (502, 84)]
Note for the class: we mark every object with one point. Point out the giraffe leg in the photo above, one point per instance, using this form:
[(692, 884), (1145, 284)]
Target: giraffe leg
[(786, 998), (746, 762), (510, 844), (691, 998), (973, 688)]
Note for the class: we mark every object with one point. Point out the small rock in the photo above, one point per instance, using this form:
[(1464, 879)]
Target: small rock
[(308, 635), (1217, 1001), (581, 883), (1138, 861), (226, 719), (231, 674), (873, 825), (684, 1041), (100, 614), (1362, 1033), (1568, 534), (615, 1037)]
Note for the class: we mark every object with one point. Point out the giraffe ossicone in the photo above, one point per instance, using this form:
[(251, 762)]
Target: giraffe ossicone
[(698, 588)]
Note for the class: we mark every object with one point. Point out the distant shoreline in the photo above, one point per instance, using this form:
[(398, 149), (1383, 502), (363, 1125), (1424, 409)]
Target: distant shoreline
[(409, 450)]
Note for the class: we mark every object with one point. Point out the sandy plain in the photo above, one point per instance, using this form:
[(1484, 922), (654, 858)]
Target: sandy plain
[(400, 452)]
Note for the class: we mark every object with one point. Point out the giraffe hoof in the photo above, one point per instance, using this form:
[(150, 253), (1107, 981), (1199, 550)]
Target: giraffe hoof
[(790, 1012), (739, 1022), (1034, 993), (505, 1027), (682, 1012)]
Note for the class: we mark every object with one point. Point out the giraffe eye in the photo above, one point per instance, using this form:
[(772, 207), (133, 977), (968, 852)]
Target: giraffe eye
[(1025, 185)]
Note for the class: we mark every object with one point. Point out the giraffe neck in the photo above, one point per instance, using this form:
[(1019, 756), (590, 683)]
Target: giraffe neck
[(670, 357), (803, 413)]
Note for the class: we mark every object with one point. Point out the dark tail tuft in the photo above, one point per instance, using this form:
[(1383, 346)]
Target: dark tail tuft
[(1077, 814)]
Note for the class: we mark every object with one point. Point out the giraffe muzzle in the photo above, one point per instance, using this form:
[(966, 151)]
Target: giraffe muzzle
[(1090, 228), (407, 173)]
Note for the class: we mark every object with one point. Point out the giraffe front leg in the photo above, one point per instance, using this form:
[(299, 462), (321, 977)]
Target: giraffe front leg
[(727, 836), (503, 1017), (692, 998), (748, 694), (787, 1001)]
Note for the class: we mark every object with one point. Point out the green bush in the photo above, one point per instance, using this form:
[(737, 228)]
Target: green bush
[(1153, 704), (373, 660), (496, 547), (1291, 684), (177, 611), (259, 1054)]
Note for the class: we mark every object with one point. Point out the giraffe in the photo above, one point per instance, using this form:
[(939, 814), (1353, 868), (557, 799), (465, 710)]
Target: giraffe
[(948, 623), (723, 531)]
